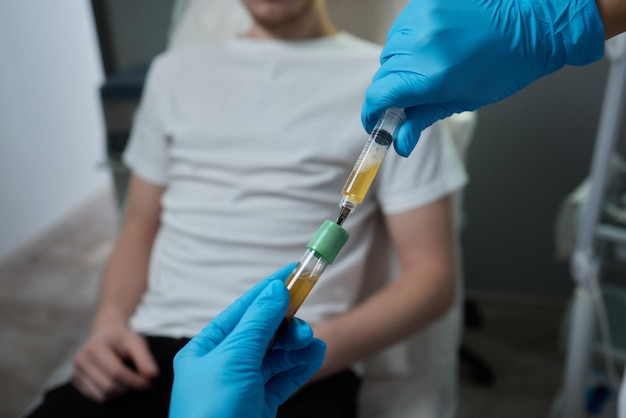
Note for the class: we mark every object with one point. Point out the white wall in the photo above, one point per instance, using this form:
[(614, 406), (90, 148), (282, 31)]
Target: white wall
[(51, 128)]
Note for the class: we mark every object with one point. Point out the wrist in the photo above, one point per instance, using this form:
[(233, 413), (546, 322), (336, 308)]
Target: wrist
[(332, 362), (106, 317), (613, 14)]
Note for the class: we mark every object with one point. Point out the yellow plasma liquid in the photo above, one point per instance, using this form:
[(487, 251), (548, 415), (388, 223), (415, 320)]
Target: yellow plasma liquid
[(359, 183), (299, 288)]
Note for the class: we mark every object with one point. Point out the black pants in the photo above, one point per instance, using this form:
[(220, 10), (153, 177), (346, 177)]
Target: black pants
[(334, 397)]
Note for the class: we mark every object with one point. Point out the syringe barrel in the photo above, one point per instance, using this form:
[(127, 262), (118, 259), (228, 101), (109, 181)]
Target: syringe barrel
[(372, 155), (390, 121)]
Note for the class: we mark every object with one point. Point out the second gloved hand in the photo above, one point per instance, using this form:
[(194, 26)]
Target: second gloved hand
[(445, 57), (223, 371)]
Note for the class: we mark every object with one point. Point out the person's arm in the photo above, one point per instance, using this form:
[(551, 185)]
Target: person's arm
[(424, 291), (613, 14), (101, 370), (126, 273)]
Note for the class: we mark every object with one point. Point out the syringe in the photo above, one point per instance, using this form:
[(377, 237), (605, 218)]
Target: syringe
[(331, 237), (369, 161)]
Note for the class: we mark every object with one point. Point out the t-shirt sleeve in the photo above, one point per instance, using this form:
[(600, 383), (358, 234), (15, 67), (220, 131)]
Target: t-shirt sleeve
[(433, 170), (146, 154)]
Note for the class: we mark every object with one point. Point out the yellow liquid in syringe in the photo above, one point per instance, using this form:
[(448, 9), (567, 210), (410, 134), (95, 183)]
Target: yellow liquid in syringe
[(299, 288), (359, 182)]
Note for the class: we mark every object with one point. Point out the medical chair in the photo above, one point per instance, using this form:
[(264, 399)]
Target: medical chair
[(390, 388)]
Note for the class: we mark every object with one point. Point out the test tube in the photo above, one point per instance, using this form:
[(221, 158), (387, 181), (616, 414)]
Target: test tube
[(320, 253), (368, 163)]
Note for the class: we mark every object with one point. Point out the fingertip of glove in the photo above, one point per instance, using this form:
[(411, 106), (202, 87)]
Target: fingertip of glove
[(406, 139), (318, 351), (369, 113), (283, 272), (270, 304), (311, 356), (320, 344), (298, 335), (401, 149), (276, 291), (301, 329)]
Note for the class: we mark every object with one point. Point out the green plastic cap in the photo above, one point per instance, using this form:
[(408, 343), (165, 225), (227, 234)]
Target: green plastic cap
[(328, 241)]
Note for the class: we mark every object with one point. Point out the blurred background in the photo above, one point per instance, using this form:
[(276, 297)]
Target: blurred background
[(70, 78)]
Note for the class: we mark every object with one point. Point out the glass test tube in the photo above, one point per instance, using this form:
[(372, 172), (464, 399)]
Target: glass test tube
[(368, 163), (321, 252)]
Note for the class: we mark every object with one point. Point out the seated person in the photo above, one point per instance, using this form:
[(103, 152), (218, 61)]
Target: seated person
[(239, 152)]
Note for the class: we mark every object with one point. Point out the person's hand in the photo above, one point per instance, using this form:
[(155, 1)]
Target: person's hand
[(102, 367), (445, 57), (223, 371)]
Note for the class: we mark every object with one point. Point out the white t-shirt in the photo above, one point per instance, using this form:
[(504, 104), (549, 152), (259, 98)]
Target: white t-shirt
[(254, 140)]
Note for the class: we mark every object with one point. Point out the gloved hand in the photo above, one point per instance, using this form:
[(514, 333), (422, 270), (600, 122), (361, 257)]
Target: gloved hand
[(222, 371), (448, 56)]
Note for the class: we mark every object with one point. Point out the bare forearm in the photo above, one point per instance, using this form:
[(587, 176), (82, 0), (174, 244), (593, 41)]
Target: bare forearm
[(613, 13), (125, 277), (406, 305)]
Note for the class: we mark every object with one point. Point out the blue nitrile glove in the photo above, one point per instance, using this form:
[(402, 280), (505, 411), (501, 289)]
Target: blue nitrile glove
[(448, 56), (223, 372)]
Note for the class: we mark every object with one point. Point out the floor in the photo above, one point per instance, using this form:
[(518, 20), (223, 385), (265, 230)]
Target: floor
[(48, 291), (525, 359), (47, 294)]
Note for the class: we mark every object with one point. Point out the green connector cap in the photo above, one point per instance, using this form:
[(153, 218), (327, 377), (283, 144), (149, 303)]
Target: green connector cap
[(328, 241)]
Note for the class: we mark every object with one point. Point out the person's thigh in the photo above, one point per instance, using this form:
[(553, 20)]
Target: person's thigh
[(333, 397), (65, 401)]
